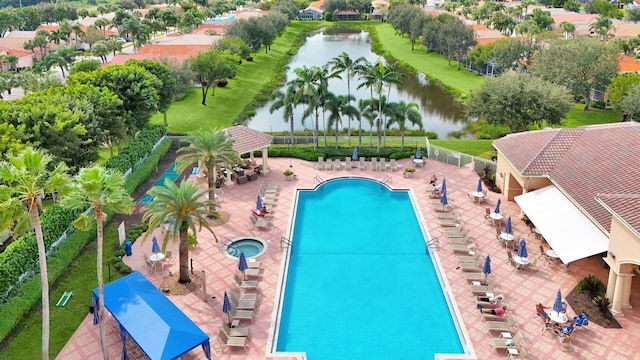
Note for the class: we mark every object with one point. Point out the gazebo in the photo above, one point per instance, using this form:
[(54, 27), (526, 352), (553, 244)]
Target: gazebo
[(247, 140)]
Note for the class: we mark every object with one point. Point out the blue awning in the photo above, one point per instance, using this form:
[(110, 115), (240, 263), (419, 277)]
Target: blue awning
[(139, 306)]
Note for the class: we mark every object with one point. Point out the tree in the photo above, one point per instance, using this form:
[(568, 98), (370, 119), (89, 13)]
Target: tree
[(512, 54), (101, 190), (519, 100), (633, 14), (602, 27), (338, 106), (166, 90), (211, 149), (212, 65), (620, 87), (286, 100), (580, 64), (630, 104), (288, 7), (102, 24), (101, 50), (62, 56), (542, 18), (235, 45), (181, 72), (568, 29), (344, 64), (92, 35), (403, 112), (183, 205), (24, 180), (368, 110), (306, 92)]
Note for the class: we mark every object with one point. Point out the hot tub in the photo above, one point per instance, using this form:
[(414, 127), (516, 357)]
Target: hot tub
[(249, 246)]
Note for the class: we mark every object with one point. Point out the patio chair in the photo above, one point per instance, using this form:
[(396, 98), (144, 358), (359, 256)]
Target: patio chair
[(510, 258), (243, 304), (393, 166), (382, 165), (487, 214), (149, 263), (502, 343), (328, 164), (347, 163), (362, 164), (246, 284), (337, 164), (243, 296), (459, 240), (463, 248), (469, 258), (473, 276), (259, 222), (472, 267), (501, 326), (374, 164), (269, 189), (254, 264), (320, 164), (242, 315), (517, 353), (234, 341), (168, 257), (565, 342), (235, 331)]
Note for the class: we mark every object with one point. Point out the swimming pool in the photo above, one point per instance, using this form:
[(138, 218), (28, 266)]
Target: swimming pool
[(359, 283)]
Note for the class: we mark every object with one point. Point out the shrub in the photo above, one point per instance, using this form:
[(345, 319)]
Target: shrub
[(602, 303), (139, 147), (592, 285)]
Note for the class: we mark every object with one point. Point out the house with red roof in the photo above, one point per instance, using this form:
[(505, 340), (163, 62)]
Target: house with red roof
[(579, 188), (25, 59)]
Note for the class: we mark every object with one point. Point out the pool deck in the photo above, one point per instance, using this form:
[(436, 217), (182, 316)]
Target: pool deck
[(522, 289)]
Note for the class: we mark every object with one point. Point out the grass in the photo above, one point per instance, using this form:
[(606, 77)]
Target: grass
[(578, 117), (80, 278), (433, 65), (223, 109)]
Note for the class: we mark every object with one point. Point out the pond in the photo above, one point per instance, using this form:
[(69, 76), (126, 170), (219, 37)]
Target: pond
[(441, 113)]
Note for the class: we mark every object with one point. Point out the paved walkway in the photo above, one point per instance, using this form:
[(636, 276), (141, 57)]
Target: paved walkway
[(522, 289)]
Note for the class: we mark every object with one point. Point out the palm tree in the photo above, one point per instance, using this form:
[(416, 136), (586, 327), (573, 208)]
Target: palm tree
[(568, 28), (286, 100), (306, 93), (183, 205), (368, 111), (24, 179), (338, 106), (602, 26), (62, 56), (56, 36), (210, 148), (401, 112), (344, 64), (103, 191)]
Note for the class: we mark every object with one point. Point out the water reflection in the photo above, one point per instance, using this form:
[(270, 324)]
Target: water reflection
[(440, 111)]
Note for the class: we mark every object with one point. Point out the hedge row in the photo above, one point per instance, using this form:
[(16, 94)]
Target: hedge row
[(333, 153), (28, 294), (139, 147)]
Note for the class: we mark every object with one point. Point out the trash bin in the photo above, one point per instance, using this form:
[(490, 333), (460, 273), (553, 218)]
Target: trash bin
[(127, 248)]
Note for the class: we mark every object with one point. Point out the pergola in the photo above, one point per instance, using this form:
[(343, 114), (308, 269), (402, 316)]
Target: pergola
[(246, 140)]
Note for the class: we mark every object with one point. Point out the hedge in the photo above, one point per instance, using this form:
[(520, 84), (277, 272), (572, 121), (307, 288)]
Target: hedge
[(333, 153), (139, 147), (22, 254)]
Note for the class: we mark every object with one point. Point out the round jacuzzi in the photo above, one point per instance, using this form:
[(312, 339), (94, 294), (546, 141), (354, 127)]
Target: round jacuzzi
[(249, 246)]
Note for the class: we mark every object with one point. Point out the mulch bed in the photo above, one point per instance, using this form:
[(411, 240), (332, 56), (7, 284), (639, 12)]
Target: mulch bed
[(171, 284), (582, 303)]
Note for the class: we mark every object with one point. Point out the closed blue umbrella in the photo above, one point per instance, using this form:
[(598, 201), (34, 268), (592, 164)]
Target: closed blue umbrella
[(354, 157), (507, 228), (479, 187), (154, 246), (522, 249), (497, 210), (557, 305), (443, 199), (486, 268), (258, 203), (226, 306), (418, 155), (242, 262)]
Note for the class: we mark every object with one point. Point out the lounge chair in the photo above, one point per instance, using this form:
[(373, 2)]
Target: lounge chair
[(482, 289), (463, 248), (252, 272), (507, 343), (501, 326), (242, 315), (269, 189), (457, 231), (245, 284), (517, 353), (233, 341), (393, 166), (320, 164), (337, 164), (473, 258), (243, 296), (243, 304), (236, 331), (268, 201), (459, 240), (448, 216), (328, 164), (382, 165), (347, 163), (472, 266), (438, 207), (260, 222), (374, 164), (362, 164), (473, 276), (254, 264), (449, 222)]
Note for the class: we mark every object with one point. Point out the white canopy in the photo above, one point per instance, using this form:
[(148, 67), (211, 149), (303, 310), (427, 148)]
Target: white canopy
[(569, 232)]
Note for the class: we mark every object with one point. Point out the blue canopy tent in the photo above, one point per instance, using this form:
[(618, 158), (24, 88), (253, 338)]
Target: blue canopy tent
[(137, 305)]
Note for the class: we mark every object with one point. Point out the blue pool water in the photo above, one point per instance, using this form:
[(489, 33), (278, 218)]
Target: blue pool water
[(360, 284), (170, 173)]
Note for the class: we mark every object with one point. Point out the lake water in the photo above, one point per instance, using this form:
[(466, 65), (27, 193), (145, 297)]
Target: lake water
[(441, 113)]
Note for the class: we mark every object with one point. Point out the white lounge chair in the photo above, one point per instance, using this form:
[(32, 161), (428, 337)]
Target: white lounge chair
[(473, 258), (473, 276), (382, 165), (242, 315), (347, 162), (233, 341), (362, 164), (236, 331), (507, 343), (320, 164), (393, 165), (246, 284), (471, 266), (243, 296), (260, 222), (242, 304), (463, 248), (374, 164), (269, 189), (501, 326), (459, 240)]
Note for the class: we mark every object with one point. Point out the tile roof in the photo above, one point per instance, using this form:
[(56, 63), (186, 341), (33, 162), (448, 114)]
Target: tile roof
[(625, 206), (583, 162), (246, 140), (627, 64), (178, 53)]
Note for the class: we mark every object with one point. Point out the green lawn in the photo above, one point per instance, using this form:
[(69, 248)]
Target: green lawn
[(223, 109), (79, 278), (433, 65), (578, 117)]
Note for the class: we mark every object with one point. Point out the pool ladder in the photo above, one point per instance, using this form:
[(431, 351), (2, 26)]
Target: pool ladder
[(317, 179), (386, 179), (433, 243), (228, 244), (284, 242)]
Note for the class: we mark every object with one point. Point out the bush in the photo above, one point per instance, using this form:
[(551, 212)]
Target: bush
[(139, 147), (592, 285), (602, 303)]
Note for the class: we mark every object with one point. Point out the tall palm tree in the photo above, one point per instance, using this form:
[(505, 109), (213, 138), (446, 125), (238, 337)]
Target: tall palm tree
[(286, 100), (211, 148), (24, 179), (602, 26), (103, 191), (568, 29), (368, 110), (183, 205), (339, 106), (401, 112), (306, 93), (344, 64)]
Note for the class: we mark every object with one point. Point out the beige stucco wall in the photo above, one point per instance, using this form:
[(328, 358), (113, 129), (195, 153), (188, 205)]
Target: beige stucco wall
[(624, 244), (512, 184)]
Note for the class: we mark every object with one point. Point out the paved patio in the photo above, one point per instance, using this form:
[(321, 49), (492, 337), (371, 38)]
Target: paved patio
[(522, 289)]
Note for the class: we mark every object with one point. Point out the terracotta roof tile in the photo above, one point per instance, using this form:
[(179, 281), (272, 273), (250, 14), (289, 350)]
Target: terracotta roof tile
[(584, 162), (246, 140), (627, 64), (626, 206), (149, 51)]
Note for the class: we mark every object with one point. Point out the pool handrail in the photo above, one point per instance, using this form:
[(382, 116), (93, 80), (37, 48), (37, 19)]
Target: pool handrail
[(285, 241), (317, 179)]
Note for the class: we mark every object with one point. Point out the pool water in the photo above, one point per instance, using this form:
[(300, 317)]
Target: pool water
[(250, 247), (170, 173), (360, 284)]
